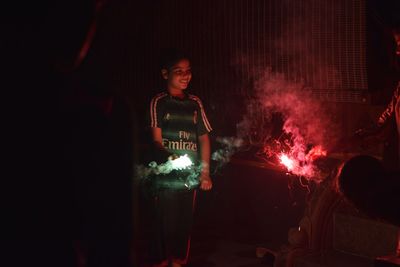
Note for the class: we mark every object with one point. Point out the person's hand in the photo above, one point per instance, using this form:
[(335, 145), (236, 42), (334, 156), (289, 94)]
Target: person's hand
[(205, 182), (173, 156)]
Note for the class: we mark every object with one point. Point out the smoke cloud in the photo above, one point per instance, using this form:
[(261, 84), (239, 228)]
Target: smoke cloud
[(307, 130), (228, 147), (283, 117), (188, 177)]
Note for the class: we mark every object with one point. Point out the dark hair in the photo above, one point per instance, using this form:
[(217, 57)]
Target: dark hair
[(170, 57)]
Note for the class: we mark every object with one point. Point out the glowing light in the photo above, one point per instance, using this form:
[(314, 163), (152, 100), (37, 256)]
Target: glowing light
[(287, 162), (181, 163), (300, 163)]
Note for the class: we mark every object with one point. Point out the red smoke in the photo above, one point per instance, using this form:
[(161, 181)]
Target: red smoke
[(307, 128)]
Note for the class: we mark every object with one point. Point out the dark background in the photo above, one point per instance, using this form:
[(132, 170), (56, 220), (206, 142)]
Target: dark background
[(229, 42), (343, 50)]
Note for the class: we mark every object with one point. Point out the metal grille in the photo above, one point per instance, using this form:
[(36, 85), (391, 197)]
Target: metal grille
[(319, 42)]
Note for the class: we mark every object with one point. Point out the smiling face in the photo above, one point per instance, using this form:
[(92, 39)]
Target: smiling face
[(178, 76)]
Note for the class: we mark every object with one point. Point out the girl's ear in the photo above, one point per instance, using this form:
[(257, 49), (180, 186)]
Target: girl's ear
[(164, 74)]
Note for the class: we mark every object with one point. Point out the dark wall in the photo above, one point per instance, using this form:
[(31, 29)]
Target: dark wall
[(231, 44), (383, 66)]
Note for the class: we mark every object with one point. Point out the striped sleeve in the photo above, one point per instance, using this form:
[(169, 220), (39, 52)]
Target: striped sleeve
[(155, 114), (204, 125)]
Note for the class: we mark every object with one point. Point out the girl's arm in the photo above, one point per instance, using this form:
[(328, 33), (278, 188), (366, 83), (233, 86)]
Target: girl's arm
[(157, 137), (205, 180)]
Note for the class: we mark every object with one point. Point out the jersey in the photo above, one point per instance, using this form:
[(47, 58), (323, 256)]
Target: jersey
[(182, 121)]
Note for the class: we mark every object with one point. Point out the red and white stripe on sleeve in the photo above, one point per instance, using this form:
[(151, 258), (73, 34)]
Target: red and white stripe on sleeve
[(203, 114), (153, 109)]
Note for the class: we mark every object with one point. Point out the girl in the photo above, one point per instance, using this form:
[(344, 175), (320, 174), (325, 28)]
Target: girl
[(179, 126)]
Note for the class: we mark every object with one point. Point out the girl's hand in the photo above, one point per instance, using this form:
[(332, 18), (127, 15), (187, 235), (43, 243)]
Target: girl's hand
[(205, 182), (173, 156)]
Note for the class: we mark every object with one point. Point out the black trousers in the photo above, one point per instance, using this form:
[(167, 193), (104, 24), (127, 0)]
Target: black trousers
[(172, 219)]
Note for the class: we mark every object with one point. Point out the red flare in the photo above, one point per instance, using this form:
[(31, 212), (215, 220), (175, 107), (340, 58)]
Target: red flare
[(286, 161), (316, 152)]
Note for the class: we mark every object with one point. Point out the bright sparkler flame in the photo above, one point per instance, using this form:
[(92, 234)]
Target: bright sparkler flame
[(286, 161), (300, 164), (181, 163)]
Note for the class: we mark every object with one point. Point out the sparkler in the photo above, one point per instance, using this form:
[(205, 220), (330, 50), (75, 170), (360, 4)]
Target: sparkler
[(181, 163), (187, 179), (300, 163), (286, 161), (290, 105)]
